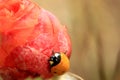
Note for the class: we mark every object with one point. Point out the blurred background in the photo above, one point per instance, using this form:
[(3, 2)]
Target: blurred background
[(94, 27)]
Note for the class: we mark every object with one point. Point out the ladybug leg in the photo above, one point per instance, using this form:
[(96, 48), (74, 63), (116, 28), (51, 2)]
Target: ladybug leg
[(65, 52), (53, 52)]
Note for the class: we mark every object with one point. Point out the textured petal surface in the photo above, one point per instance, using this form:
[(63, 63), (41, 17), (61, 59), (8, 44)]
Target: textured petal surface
[(28, 39)]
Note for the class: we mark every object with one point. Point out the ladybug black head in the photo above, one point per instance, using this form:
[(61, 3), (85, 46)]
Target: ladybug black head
[(55, 59)]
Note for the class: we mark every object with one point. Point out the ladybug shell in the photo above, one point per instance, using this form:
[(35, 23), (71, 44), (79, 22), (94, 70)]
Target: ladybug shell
[(62, 67)]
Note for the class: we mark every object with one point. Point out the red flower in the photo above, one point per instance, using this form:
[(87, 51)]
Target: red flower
[(28, 34)]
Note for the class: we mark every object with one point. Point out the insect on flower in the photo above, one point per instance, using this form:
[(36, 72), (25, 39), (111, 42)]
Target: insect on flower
[(59, 63)]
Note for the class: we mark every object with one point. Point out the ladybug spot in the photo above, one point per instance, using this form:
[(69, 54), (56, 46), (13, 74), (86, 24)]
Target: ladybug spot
[(63, 71), (55, 72)]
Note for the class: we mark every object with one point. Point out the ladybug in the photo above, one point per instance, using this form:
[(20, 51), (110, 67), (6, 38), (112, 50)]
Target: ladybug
[(59, 63)]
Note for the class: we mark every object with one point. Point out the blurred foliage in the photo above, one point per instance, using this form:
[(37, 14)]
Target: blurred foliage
[(38, 78)]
